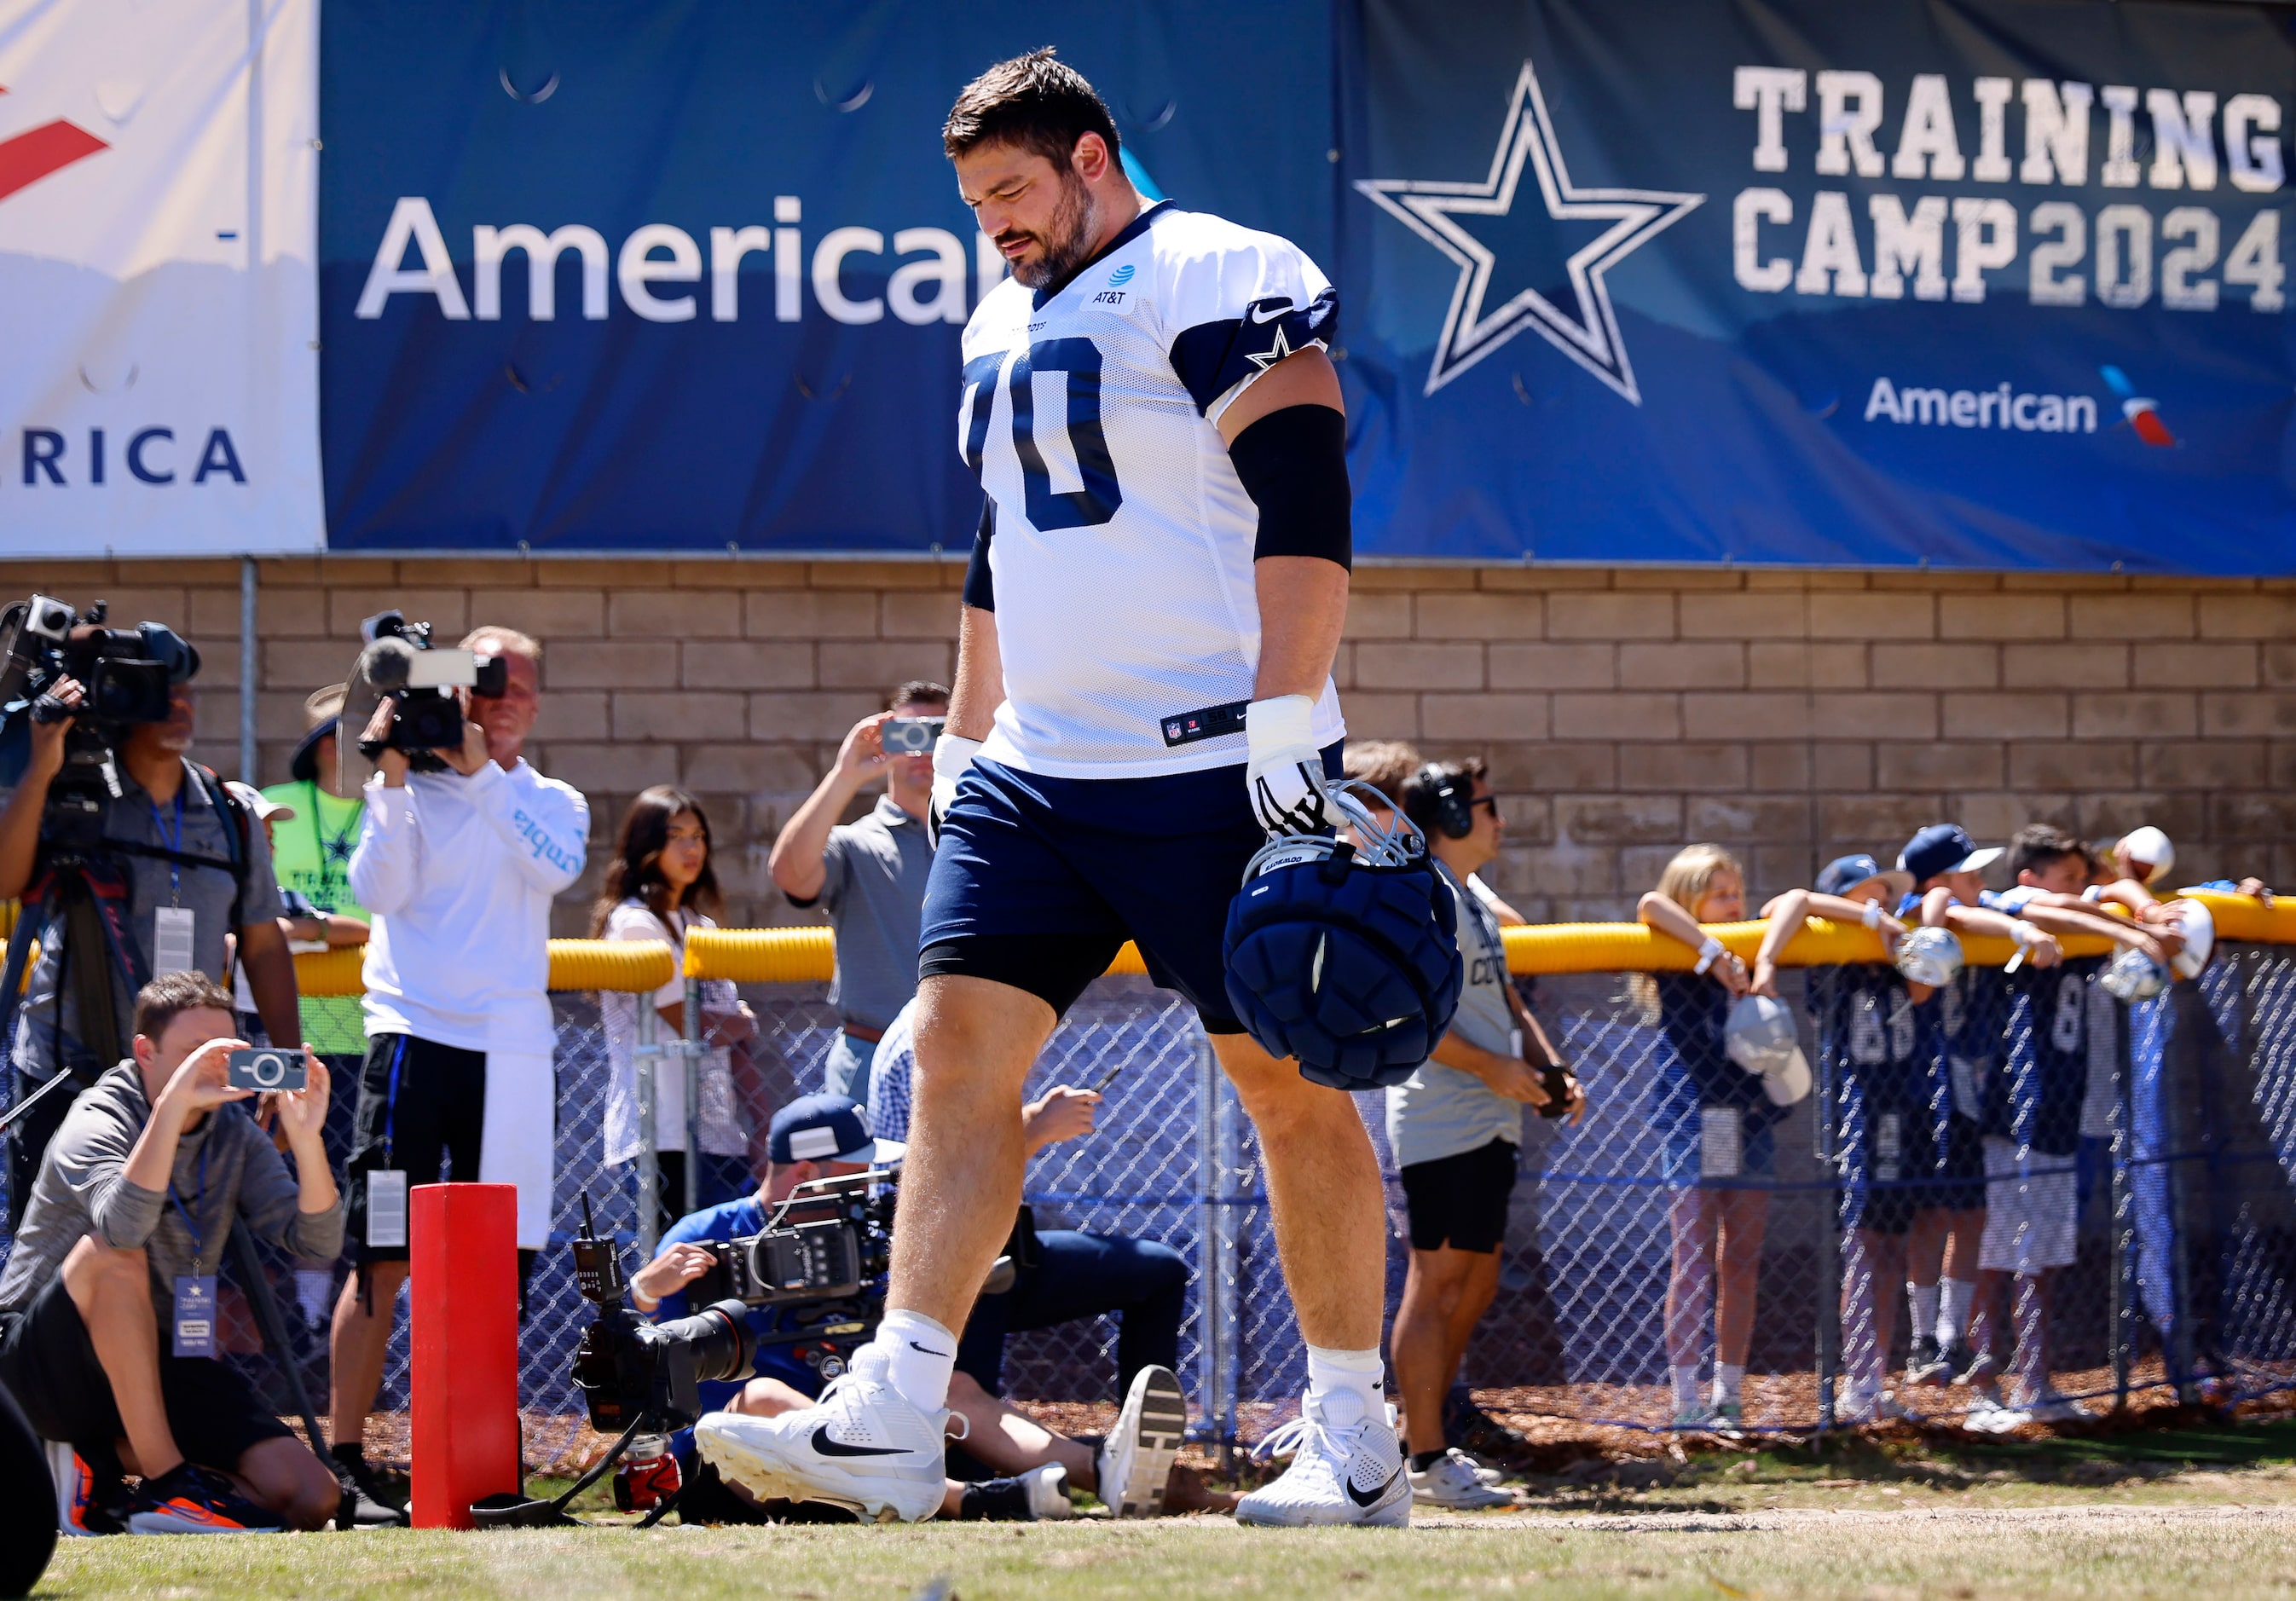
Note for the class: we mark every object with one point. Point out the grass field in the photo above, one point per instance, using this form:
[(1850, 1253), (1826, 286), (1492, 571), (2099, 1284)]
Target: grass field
[(2205, 1510)]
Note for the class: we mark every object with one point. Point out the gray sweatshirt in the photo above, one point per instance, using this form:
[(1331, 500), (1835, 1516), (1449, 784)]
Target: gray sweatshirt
[(83, 1189)]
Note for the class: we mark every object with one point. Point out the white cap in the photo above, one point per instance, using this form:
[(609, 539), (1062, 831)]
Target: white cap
[(266, 809), (2147, 851)]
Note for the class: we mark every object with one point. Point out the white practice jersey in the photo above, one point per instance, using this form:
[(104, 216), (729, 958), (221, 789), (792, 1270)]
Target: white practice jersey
[(1119, 540)]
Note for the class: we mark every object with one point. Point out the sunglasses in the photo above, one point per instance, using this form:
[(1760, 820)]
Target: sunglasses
[(1491, 800)]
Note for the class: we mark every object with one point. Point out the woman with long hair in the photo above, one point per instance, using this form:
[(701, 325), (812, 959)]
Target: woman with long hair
[(660, 885)]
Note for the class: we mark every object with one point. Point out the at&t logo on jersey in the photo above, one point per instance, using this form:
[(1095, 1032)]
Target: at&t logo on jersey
[(1120, 276)]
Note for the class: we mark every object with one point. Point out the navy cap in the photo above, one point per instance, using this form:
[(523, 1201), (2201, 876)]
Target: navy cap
[(826, 1128), (1845, 875), (1943, 848)]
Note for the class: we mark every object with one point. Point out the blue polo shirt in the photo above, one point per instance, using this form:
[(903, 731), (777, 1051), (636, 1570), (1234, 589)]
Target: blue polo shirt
[(734, 1221)]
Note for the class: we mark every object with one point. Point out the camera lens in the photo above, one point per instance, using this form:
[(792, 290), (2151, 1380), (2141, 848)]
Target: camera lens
[(55, 620), (716, 1338), (268, 1069)]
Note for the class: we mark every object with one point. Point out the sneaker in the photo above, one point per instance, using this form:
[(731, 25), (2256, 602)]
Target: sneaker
[(861, 1446), (192, 1499), (1481, 1434), (384, 1486), (84, 1505), (1987, 1415), (1047, 1490), (1697, 1415), (1726, 1417), (1935, 1365), (2047, 1405), (1346, 1467), (1876, 1407), (1979, 1370), (1921, 1357), (1452, 1481), (1135, 1459)]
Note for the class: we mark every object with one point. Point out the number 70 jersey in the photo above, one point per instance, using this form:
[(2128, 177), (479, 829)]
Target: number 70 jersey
[(1119, 540)]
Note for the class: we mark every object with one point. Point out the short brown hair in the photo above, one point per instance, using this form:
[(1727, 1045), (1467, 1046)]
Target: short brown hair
[(1386, 765), (171, 995), (506, 639), (919, 692), (1031, 101), (1421, 790), (2041, 846)]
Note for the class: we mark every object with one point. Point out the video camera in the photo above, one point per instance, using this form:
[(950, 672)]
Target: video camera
[(126, 675), (826, 1275), (401, 665)]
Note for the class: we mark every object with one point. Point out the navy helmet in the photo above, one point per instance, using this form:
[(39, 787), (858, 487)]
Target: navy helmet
[(1345, 956)]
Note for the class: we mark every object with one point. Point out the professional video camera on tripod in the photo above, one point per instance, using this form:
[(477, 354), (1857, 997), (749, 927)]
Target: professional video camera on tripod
[(95, 725)]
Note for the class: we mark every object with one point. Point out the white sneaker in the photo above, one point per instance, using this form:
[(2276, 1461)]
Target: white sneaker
[(1346, 1468), (861, 1446), (1047, 1488), (1453, 1482), (2047, 1405), (1872, 1406), (1135, 1460)]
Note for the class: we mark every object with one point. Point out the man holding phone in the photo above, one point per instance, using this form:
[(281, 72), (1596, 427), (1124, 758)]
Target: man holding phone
[(868, 875), (108, 1304)]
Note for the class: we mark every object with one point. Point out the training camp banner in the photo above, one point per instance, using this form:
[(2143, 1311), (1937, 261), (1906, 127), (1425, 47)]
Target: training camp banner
[(159, 312), (1991, 285)]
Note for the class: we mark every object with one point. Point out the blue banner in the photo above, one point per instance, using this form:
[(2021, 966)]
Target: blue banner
[(1992, 285)]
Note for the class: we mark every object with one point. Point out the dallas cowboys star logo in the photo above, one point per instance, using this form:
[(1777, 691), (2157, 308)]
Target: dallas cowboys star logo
[(1274, 353), (1590, 336)]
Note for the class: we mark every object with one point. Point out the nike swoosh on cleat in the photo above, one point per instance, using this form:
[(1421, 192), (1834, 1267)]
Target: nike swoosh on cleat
[(1368, 1499), (929, 1351), (827, 1447)]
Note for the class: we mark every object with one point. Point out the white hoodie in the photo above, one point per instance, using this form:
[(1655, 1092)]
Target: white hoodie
[(460, 874)]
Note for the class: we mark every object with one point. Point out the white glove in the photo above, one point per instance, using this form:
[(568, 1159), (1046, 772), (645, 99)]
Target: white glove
[(952, 754), (1285, 775)]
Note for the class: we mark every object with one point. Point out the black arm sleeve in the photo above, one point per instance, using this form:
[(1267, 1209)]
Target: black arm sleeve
[(980, 590), (1294, 465)]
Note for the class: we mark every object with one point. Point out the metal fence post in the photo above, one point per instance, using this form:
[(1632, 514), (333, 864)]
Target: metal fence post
[(691, 1051), (1829, 1233), (2123, 1231), (1216, 1245), (642, 1060)]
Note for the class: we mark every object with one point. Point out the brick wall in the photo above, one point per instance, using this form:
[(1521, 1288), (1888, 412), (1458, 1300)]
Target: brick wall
[(1791, 716)]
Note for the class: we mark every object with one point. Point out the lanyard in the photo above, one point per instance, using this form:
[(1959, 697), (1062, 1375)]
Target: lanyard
[(175, 844), (199, 1242)]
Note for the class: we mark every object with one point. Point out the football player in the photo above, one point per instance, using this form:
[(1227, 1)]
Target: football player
[(1143, 697)]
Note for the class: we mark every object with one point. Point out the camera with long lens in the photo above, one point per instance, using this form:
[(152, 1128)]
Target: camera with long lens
[(824, 1276), (423, 682), (126, 676)]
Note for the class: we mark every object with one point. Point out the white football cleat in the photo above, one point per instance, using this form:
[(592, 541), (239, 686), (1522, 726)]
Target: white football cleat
[(1346, 1468), (1135, 1460), (1454, 1481), (861, 1446)]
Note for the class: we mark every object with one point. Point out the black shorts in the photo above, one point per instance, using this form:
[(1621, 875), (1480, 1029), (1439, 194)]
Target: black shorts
[(1461, 1201), (49, 1364), (422, 1105)]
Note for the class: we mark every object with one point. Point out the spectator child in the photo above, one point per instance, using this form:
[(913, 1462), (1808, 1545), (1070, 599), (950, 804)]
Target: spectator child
[(660, 885), (1715, 1128)]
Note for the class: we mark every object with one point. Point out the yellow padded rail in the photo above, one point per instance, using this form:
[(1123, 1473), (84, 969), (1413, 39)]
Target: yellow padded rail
[(784, 956)]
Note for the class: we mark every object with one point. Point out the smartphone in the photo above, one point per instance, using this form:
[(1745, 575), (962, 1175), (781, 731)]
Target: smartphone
[(910, 735), (266, 1069)]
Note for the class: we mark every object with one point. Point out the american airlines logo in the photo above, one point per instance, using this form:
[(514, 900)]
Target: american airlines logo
[(660, 270), (32, 155)]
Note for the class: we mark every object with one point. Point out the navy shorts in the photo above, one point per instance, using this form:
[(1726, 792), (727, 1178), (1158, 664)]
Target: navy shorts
[(1038, 882), (1960, 1182)]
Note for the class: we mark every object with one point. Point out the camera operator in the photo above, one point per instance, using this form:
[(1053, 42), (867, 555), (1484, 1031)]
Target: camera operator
[(460, 853), (868, 877), (823, 1137), (176, 866), (108, 1305), (1073, 1274)]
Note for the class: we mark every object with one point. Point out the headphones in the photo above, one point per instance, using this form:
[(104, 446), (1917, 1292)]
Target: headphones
[(1447, 797)]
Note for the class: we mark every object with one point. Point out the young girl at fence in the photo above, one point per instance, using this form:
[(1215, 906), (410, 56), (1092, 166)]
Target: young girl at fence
[(659, 885), (1716, 1126)]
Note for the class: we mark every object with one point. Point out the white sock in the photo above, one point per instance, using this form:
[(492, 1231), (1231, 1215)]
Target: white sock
[(1685, 1387), (1924, 1298), (1729, 1378), (920, 1355), (1960, 1295), (1355, 1373)]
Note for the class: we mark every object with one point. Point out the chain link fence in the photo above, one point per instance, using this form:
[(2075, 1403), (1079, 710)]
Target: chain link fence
[(2184, 1169)]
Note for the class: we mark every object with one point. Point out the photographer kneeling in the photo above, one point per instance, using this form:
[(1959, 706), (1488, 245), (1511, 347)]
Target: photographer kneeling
[(460, 853), (121, 889), (108, 1305), (1035, 1465)]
